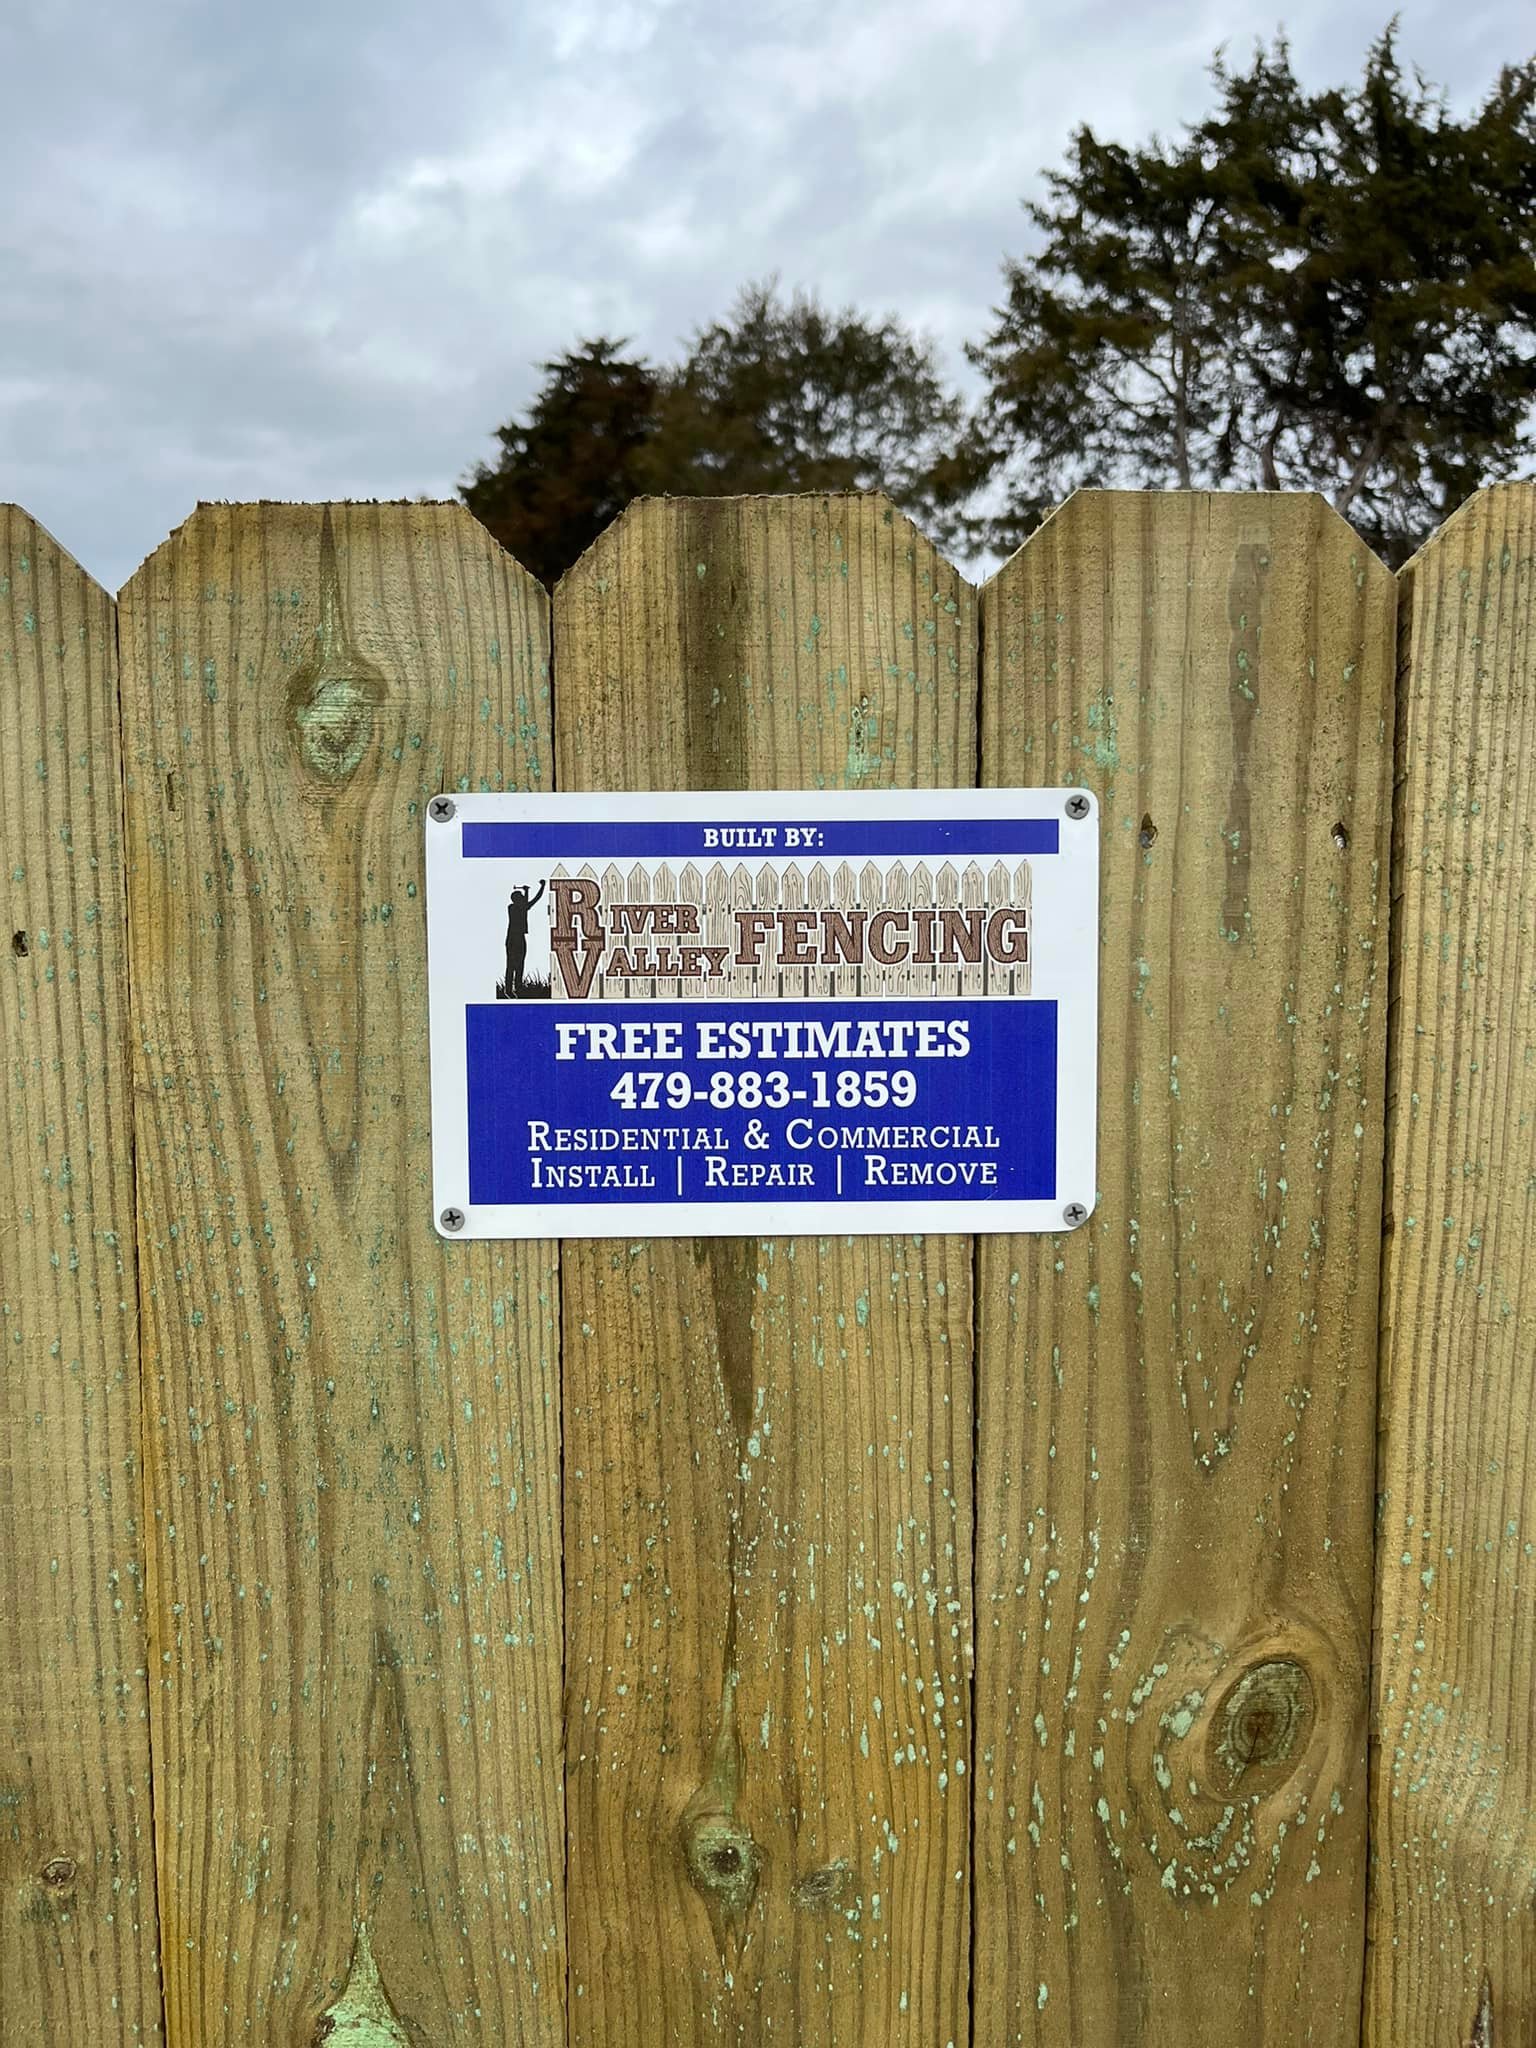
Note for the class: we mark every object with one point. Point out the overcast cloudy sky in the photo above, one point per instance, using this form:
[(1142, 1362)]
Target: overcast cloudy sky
[(313, 248)]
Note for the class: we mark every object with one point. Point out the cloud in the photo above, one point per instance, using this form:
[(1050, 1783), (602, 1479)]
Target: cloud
[(312, 251)]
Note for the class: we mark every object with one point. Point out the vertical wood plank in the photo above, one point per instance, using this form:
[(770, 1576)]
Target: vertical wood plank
[(353, 1436), (78, 1949), (768, 1446), (1175, 1404), (1454, 1792)]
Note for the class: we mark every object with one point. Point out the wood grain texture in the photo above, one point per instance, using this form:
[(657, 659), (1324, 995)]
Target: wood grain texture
[(353, 1430), (1454, 1784), (1175, 1404), (78, 1951), (768, 1443)]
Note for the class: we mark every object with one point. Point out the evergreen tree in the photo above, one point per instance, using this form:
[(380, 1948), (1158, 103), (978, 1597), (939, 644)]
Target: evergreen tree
[(1331, 290), (784, 395), (780, 396), (1394, 341), (570, 468)]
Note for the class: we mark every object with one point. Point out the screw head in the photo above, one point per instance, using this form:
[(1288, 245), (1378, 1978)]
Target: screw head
[(1073, 1214), (1077, 806), (441, 809), (452, 1219)]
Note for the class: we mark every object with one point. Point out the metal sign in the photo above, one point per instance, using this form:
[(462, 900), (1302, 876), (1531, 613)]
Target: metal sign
[(731, 1014)]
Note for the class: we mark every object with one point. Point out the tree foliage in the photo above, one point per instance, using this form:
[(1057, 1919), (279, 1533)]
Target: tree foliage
[(783, 395), (787, 396), (571, 466), (1329, 290)]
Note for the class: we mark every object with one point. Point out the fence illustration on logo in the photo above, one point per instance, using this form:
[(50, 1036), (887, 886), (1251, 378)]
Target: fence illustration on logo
[(938, 937)]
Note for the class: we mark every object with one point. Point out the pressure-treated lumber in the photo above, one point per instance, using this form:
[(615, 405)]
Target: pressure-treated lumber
[(352, 1430), (1175, 1403), (768, 1443), (78, 1949), (1454, 1781)]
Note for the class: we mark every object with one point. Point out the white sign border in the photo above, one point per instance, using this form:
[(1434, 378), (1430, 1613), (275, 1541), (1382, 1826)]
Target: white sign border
[(1077, 1017)]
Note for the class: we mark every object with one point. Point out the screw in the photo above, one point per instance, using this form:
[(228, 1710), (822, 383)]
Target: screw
[(452, 1219), (441, 809), (1073, 1214), (1077, 806)]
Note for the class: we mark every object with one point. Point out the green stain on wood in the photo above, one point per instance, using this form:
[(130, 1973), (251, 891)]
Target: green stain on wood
[(1102, 744), (362, 2017)]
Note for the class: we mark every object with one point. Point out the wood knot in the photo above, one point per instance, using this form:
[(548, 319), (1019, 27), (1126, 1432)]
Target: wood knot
[(1227, 1742), (333, 720), (1264, 1721), (334, 695), (820, 1889), (19, 947), (58, 1873), (723, 1861)]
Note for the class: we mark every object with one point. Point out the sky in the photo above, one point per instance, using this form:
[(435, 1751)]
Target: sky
[(316, 248)]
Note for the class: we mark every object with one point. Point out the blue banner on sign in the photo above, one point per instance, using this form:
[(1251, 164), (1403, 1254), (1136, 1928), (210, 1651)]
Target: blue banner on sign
[(785, 1101), (609, 839)]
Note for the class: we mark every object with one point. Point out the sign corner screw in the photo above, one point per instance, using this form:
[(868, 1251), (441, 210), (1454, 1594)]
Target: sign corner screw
[(1077, 806), (1073, 1214), (452, 1219), (441, 809)]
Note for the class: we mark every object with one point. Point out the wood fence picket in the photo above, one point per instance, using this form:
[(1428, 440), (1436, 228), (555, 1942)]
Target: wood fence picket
[(352, 1460), (767, 1653), (1454, 1782), (79, 1939), (1175, 1407)]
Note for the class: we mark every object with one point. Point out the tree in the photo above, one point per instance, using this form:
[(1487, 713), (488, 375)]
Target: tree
[(779, 396), (1111, 361), (1398, 354), (1331, 290), (570, 468), (788, 396)]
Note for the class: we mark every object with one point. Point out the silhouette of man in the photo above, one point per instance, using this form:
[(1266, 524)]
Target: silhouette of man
[(518, 908)]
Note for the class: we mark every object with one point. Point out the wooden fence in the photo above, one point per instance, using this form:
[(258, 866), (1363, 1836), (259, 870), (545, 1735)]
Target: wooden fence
[(834, 1642)]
